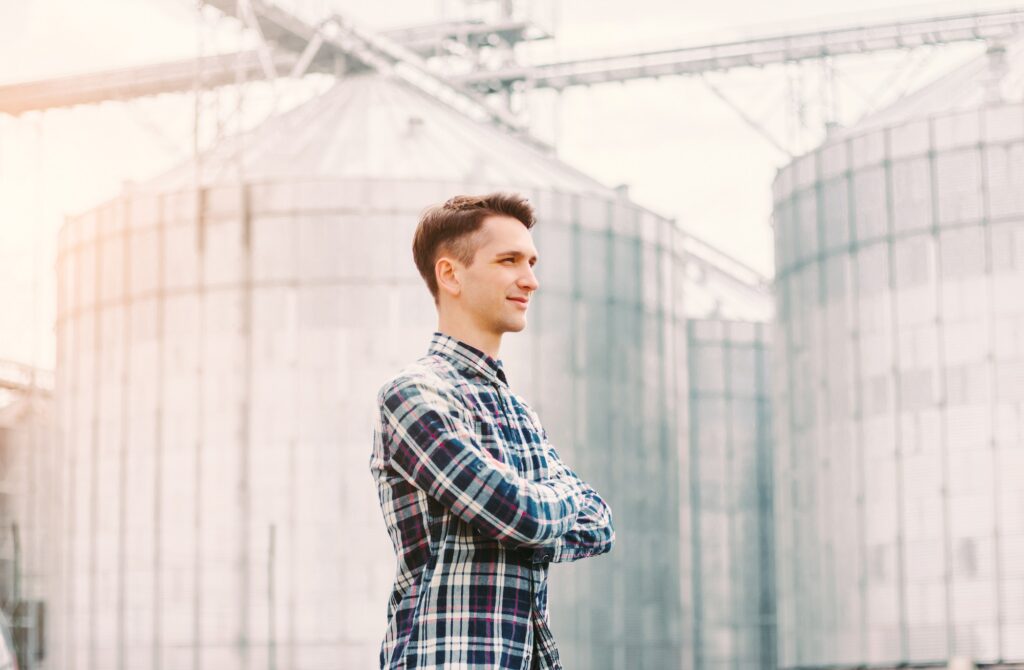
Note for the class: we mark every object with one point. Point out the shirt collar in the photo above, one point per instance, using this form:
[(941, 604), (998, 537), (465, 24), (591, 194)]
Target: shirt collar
[(467, 357)]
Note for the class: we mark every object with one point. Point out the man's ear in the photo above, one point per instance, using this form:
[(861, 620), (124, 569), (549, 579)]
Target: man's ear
[(447, 276)]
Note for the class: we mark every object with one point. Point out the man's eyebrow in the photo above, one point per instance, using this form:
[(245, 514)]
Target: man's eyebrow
[(514, 254)]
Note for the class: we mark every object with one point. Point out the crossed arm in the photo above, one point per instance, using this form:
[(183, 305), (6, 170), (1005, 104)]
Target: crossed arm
[(592, 533), (557, 519)]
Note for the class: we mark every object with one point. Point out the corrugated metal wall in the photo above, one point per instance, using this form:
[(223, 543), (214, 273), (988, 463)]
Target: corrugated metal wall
[(729, 501), (28, 502), (900, 399)]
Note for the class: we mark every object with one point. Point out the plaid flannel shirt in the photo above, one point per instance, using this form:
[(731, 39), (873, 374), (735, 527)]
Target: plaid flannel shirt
[(477, 504)]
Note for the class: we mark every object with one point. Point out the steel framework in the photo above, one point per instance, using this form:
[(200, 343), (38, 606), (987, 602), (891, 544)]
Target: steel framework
[(339, 46), (22, 378), (758, 52), (293, 47)]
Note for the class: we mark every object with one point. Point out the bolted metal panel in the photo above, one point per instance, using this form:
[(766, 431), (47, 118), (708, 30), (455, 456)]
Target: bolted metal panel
[(729, 502), (898, 399)]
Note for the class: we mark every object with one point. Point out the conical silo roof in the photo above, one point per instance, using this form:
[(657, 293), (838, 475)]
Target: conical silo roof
[(374, 126), (994, 76)]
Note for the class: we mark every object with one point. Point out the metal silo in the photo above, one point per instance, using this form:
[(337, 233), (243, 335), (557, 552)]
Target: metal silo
[(28, 499), (220, 341), (729, 495), (899, 411)]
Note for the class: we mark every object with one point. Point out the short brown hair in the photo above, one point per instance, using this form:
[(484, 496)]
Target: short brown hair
[(450, 227)]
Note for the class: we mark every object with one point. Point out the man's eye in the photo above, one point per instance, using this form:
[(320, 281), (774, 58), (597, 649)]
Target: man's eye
[(508, 260)]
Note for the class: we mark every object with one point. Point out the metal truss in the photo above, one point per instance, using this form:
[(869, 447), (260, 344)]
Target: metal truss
[(342, 38), (430, 40), (137, 82), (387, 56), (758, 52), (289, 55), (290, 46), (301, 48), (22, 378)]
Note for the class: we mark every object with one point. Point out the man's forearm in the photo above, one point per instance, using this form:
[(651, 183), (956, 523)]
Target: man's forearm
[(592, 534)]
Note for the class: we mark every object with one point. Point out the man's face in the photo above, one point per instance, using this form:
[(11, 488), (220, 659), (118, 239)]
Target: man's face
[(498, 285)]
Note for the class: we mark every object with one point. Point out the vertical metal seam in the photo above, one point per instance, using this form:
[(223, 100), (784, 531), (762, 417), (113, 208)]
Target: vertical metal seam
[(634, 302), (824, 464), (933, 232), (695, 508), (669, 455), (856, 340), (680, 419), (794, 475), (69, 568), (896, 372), (943, 393), (609, 361), (766, 517), (990, 319), (158, 436), (576, 237), (293, 292), (244, 419), (94, 451), (729, 484), (126, 329), (197, 518)]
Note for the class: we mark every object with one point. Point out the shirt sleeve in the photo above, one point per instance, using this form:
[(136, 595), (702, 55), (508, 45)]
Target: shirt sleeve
[(432, 447), (592, 533)]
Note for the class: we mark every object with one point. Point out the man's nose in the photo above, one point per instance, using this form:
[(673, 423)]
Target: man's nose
[(529, 280)]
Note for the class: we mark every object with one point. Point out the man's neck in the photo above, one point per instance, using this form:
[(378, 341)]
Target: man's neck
[(489, 343)]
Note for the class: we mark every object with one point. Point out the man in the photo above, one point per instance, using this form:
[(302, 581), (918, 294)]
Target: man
[(475, 499)]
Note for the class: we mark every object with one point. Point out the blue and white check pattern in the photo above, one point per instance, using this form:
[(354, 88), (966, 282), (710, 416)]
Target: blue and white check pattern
[(477, 503)]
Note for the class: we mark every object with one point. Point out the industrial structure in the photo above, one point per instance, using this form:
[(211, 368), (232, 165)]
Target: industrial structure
[(220, 348), (900, 382), (728, 495), (221, 330), (28, 502)]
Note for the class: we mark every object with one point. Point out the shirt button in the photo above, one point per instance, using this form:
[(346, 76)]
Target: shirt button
[(478, 466)]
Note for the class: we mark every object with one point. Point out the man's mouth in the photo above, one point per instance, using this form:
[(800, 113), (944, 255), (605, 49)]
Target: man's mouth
[(522, 301)]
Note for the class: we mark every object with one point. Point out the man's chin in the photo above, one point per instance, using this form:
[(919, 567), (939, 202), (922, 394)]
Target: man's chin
[(515, 326)]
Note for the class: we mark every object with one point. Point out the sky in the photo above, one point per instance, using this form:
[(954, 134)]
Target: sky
[(682, 151)]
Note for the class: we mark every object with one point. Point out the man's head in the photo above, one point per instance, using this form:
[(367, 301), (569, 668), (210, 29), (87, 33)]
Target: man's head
[(476, 255)]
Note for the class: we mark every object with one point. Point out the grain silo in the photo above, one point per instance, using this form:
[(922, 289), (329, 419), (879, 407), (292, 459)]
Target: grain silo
[(221, 335), (900, 408), (28, 499), (728, 500)]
